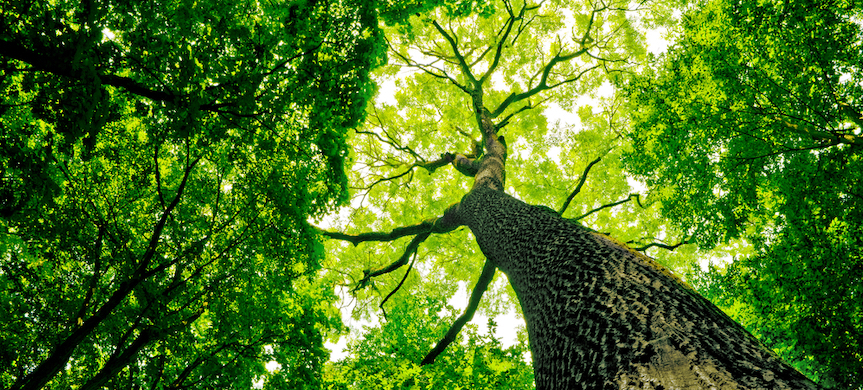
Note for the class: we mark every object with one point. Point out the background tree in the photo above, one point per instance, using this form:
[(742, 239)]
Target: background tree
[(389, 356), (598, 314), (758, 107), (159, 162)]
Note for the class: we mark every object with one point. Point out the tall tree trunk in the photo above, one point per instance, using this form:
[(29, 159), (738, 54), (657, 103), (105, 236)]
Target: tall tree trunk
[(601, 316)]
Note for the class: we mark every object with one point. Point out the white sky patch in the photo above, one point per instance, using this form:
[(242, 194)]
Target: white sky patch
[(107, 34), (387, 91), (553, 153), (347, 304), (636, 185), (523, 147), (656, 42), (508, 324), (498, 83)]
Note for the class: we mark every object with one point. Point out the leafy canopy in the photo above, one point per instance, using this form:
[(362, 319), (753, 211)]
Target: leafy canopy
[(523, 59), (750, 128), (159, 162)]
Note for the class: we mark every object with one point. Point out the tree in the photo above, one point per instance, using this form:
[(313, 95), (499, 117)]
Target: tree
[(159, 163), (599, 315), (390, 356), (759, 106)]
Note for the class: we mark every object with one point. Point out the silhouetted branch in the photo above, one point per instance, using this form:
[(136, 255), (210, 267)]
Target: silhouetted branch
[(543, 82), (60, 66), (430, 166), (478, 289), (462, 63), (505, 31), (56, 360), (410, 267), (399, 232), (578, 186), (664, 246), (412, 247), (528, 106), (636, 196), (430, 69)]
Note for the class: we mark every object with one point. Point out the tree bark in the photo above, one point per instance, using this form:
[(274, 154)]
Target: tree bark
[(601, 316)]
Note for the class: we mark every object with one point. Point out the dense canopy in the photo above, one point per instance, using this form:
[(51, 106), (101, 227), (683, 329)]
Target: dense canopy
[(159, 162), (760, 105), (171, 176)]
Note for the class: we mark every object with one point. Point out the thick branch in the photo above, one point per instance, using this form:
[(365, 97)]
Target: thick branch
[(528, 106), (478, 289), (446, 223), (412, 247), (430, 166), (118, 360), (848, 139), (578, 186), (443, 224), (851, 114), (399, 232), (61, 67), (52, 65), (468, 166), (543, 82)]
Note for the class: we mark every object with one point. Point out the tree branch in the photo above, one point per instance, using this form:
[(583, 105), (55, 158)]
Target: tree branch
[(664, 246), (58, 357), (428, 69), (500, 43), (478, 289), (821, 135), (411, 248), (528, 106), (60, 66), (542, 85), (467, 165), (442, 224), (578, 186), (462, 63), (430, 166), (97, 268), (636, 196), (399, 286), (399, 232)]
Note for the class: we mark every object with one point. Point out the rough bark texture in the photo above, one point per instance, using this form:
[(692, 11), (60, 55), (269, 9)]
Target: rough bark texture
[(601, 316)]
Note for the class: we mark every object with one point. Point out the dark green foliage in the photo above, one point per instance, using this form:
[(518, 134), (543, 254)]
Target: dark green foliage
[(159, 163), (752, 124)]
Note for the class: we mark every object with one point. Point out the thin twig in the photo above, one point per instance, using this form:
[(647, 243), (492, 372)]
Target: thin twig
[(636, 196)]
